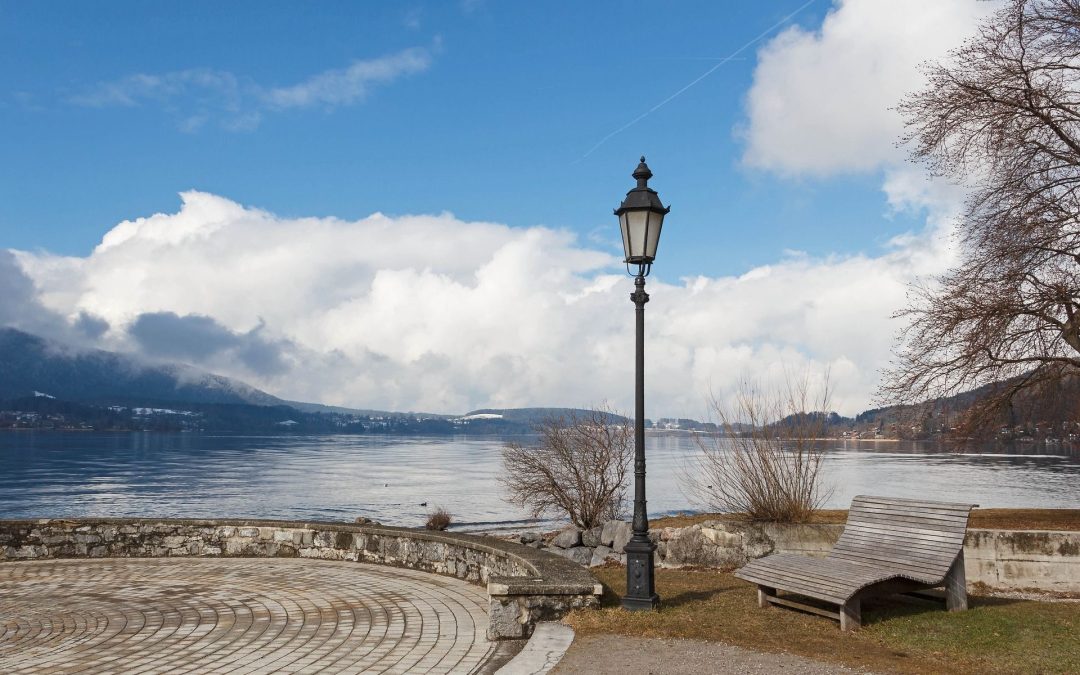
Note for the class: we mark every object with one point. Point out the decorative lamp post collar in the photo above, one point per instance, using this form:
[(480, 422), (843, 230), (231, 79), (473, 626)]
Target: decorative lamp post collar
[(641, 216)]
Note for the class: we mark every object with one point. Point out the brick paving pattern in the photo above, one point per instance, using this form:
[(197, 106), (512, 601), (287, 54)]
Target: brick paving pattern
[(249, 615)]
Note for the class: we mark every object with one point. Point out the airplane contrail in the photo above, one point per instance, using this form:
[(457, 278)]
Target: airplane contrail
[(701, 77)]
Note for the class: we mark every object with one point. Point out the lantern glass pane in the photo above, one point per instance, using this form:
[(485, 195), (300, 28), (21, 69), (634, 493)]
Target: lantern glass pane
[(623, 225), (656, 221), (637, 221)]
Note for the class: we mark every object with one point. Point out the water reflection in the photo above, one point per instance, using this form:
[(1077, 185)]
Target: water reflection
[(48, 474)]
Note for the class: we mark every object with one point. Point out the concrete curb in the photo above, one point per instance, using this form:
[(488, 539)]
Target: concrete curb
[(545, 649)]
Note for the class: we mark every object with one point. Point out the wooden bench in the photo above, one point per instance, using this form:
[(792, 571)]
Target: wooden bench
[(888, 546)]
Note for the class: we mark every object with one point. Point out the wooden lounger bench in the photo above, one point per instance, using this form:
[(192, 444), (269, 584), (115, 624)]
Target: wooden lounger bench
[(888, 545)]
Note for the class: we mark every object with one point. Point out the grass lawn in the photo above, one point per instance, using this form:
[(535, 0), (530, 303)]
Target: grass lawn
[(995, 636), (991, 519)]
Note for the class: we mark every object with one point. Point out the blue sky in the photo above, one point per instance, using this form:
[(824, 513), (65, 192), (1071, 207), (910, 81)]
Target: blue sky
[(496, 127), (273, 181)]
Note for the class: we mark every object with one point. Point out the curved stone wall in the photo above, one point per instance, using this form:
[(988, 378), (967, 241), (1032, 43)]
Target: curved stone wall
[(524, 585)]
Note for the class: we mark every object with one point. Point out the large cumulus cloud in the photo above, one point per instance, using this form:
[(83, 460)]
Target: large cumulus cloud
[(434, 313)]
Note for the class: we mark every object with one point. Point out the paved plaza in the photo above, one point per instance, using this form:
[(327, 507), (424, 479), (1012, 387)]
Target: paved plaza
[(236, 615)]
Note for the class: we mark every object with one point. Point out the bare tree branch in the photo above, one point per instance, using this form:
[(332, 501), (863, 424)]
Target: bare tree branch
[(1002, 113)]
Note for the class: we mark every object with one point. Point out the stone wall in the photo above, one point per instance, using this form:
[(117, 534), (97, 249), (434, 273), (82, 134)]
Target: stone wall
[(1000, 559), (524, 585)]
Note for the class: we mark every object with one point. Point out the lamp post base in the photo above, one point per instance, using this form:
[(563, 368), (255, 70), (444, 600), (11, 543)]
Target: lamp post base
[(640, 588)]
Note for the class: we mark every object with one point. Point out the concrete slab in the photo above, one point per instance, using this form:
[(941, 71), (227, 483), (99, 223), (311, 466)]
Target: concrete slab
[(545, 649)]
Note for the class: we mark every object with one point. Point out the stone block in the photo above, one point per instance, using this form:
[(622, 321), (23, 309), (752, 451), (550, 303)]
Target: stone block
[(719, 537), (607, 532), (567, 538), (506, 619), (622, 536), (600, 555), (580, 554), (592, 536), (529, 537)]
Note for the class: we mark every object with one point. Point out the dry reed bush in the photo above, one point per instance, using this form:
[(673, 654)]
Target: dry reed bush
[(577, 468), (439, 519), (765, 462)]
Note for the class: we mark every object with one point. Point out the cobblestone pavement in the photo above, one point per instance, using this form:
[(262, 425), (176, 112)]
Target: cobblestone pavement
[(249, 615)]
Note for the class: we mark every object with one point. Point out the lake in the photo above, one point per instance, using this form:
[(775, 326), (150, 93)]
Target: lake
[(388, 478)]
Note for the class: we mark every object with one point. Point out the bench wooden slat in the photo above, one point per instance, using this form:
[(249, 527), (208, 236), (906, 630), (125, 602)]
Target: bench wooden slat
[(921, 571), (927, 505), (933, 523), (915, 545), (935, 526), (906, 532), (803, 607), (801, 586), (829, 577), (913, 510), (846, 579), (903, 525), (921, 556), (870, 539), (893, 551), (950, 517), (916, 568), (832, 572)]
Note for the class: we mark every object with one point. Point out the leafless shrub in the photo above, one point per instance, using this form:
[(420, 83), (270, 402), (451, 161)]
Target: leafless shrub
[(439, 519), (577, 468), (765, 462)]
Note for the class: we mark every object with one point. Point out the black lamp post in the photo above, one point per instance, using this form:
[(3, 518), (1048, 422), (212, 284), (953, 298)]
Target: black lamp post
[(641, 215)]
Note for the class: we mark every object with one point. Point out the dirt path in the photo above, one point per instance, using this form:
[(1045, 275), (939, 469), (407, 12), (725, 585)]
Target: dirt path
[(619, 655)]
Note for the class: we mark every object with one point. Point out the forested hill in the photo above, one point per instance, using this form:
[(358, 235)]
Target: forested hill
[(30, 364), (44, 384)]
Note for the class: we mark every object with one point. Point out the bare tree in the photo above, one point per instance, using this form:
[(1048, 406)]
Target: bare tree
[(765, 463), (577, 468), (1001, 114)]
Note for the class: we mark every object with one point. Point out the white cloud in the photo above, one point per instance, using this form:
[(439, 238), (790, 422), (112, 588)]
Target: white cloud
[(433, 313), (196, 96), (348, 85), (823, 101)]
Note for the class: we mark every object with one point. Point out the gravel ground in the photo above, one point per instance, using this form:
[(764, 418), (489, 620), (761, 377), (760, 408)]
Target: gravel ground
[(620, 655)]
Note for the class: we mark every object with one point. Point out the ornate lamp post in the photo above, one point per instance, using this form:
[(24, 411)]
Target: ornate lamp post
[(641, 215)]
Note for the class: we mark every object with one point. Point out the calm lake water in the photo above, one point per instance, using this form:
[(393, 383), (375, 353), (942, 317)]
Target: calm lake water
[(388, 478)]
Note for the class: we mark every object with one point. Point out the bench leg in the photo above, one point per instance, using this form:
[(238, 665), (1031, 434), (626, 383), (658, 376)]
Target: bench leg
[(956, 585), (851, 614), (763, 595)]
